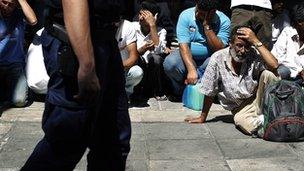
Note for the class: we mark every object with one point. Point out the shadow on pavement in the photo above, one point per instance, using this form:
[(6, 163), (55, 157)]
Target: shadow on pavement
[(223, 118)]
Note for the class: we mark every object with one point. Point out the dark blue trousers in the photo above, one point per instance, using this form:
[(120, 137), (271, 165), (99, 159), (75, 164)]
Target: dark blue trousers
[(70, 128)]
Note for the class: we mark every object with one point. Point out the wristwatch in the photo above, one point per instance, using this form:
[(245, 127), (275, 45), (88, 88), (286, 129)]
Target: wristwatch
[(258, 44), (207, 27)]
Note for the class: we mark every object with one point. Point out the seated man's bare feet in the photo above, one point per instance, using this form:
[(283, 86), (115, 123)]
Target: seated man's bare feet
[(195, 120)]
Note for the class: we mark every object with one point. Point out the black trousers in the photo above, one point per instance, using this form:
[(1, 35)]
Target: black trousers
[(70, 129)]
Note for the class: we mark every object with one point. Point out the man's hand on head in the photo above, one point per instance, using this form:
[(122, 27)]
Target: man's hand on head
[(149, 18), (248, 35)]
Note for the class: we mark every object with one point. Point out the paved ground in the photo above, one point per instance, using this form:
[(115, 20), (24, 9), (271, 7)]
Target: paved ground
[(162, 141)]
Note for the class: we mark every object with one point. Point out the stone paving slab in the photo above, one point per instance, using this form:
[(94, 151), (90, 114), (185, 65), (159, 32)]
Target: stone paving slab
[(161, 140), (34, 115), (187, 165), (138, 132), (10, 115), (165, 111), (269, 163), (139, 151), (21, 142), (253, 148), (160, 116), (137, 165), (222, 130), (183, 149), (4, 129), (178, 131)]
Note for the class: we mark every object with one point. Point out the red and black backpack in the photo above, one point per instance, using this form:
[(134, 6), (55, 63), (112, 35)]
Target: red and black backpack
[(283, 110)]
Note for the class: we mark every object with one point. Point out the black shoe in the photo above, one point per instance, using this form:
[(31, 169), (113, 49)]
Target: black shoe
[(137, 100), (174, 98), (4, 106)]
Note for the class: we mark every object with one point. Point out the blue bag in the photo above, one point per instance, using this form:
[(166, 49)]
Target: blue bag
[(193, 98)]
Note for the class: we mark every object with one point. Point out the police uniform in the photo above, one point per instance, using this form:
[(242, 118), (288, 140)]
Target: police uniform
[(71, 127)]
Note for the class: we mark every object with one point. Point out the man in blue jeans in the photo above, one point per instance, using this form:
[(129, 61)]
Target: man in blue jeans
[(13, 87), (201, 30)]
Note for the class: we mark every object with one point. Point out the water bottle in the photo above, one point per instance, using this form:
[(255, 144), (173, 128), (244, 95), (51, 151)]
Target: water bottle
[(192, 97)]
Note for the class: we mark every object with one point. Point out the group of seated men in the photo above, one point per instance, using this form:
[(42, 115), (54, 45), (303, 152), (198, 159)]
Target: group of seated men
[(239, 74), (234, 60)]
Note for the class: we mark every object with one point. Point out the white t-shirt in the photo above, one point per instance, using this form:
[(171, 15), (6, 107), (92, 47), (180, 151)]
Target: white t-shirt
[(260, 3), (125, 35), (141, 39), (288, 51), (278, 24)]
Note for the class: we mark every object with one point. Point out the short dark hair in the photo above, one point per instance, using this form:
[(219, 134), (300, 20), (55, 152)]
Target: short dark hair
[(207, 5), (276, 1), (297, 13), (150, 5)]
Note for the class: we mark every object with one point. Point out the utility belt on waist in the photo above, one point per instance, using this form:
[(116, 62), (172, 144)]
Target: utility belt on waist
[(103, 32), (67, 63), (251, 8)]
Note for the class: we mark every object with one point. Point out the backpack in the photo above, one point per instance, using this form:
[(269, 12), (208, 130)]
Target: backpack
[(283, 110)]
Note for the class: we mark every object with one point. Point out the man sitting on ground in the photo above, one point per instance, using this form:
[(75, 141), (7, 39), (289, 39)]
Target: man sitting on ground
[(151, 44), (201, 30), (280, 19), (126, 38), (289, 48), (13, 86), (238, 77)]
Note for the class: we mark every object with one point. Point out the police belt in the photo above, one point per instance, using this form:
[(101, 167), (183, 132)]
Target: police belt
[(67, 60), (106, 32)]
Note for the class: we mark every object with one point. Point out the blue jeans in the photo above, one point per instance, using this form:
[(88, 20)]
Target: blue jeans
[(176, 71), (133, 77), (13, 87), (284, 73)]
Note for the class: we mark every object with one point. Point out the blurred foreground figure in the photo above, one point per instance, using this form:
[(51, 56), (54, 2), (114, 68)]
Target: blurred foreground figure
[(86, 104)]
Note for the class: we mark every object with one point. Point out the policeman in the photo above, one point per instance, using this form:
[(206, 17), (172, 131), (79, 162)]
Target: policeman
[(86, 104)]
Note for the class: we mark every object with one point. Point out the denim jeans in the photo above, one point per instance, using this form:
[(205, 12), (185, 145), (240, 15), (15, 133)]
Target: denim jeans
[(284, 73), (133, 77), (176, 71), (13, 87)]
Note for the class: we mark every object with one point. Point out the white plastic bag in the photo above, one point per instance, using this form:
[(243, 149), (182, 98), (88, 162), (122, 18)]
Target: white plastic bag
[(37, 77)]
